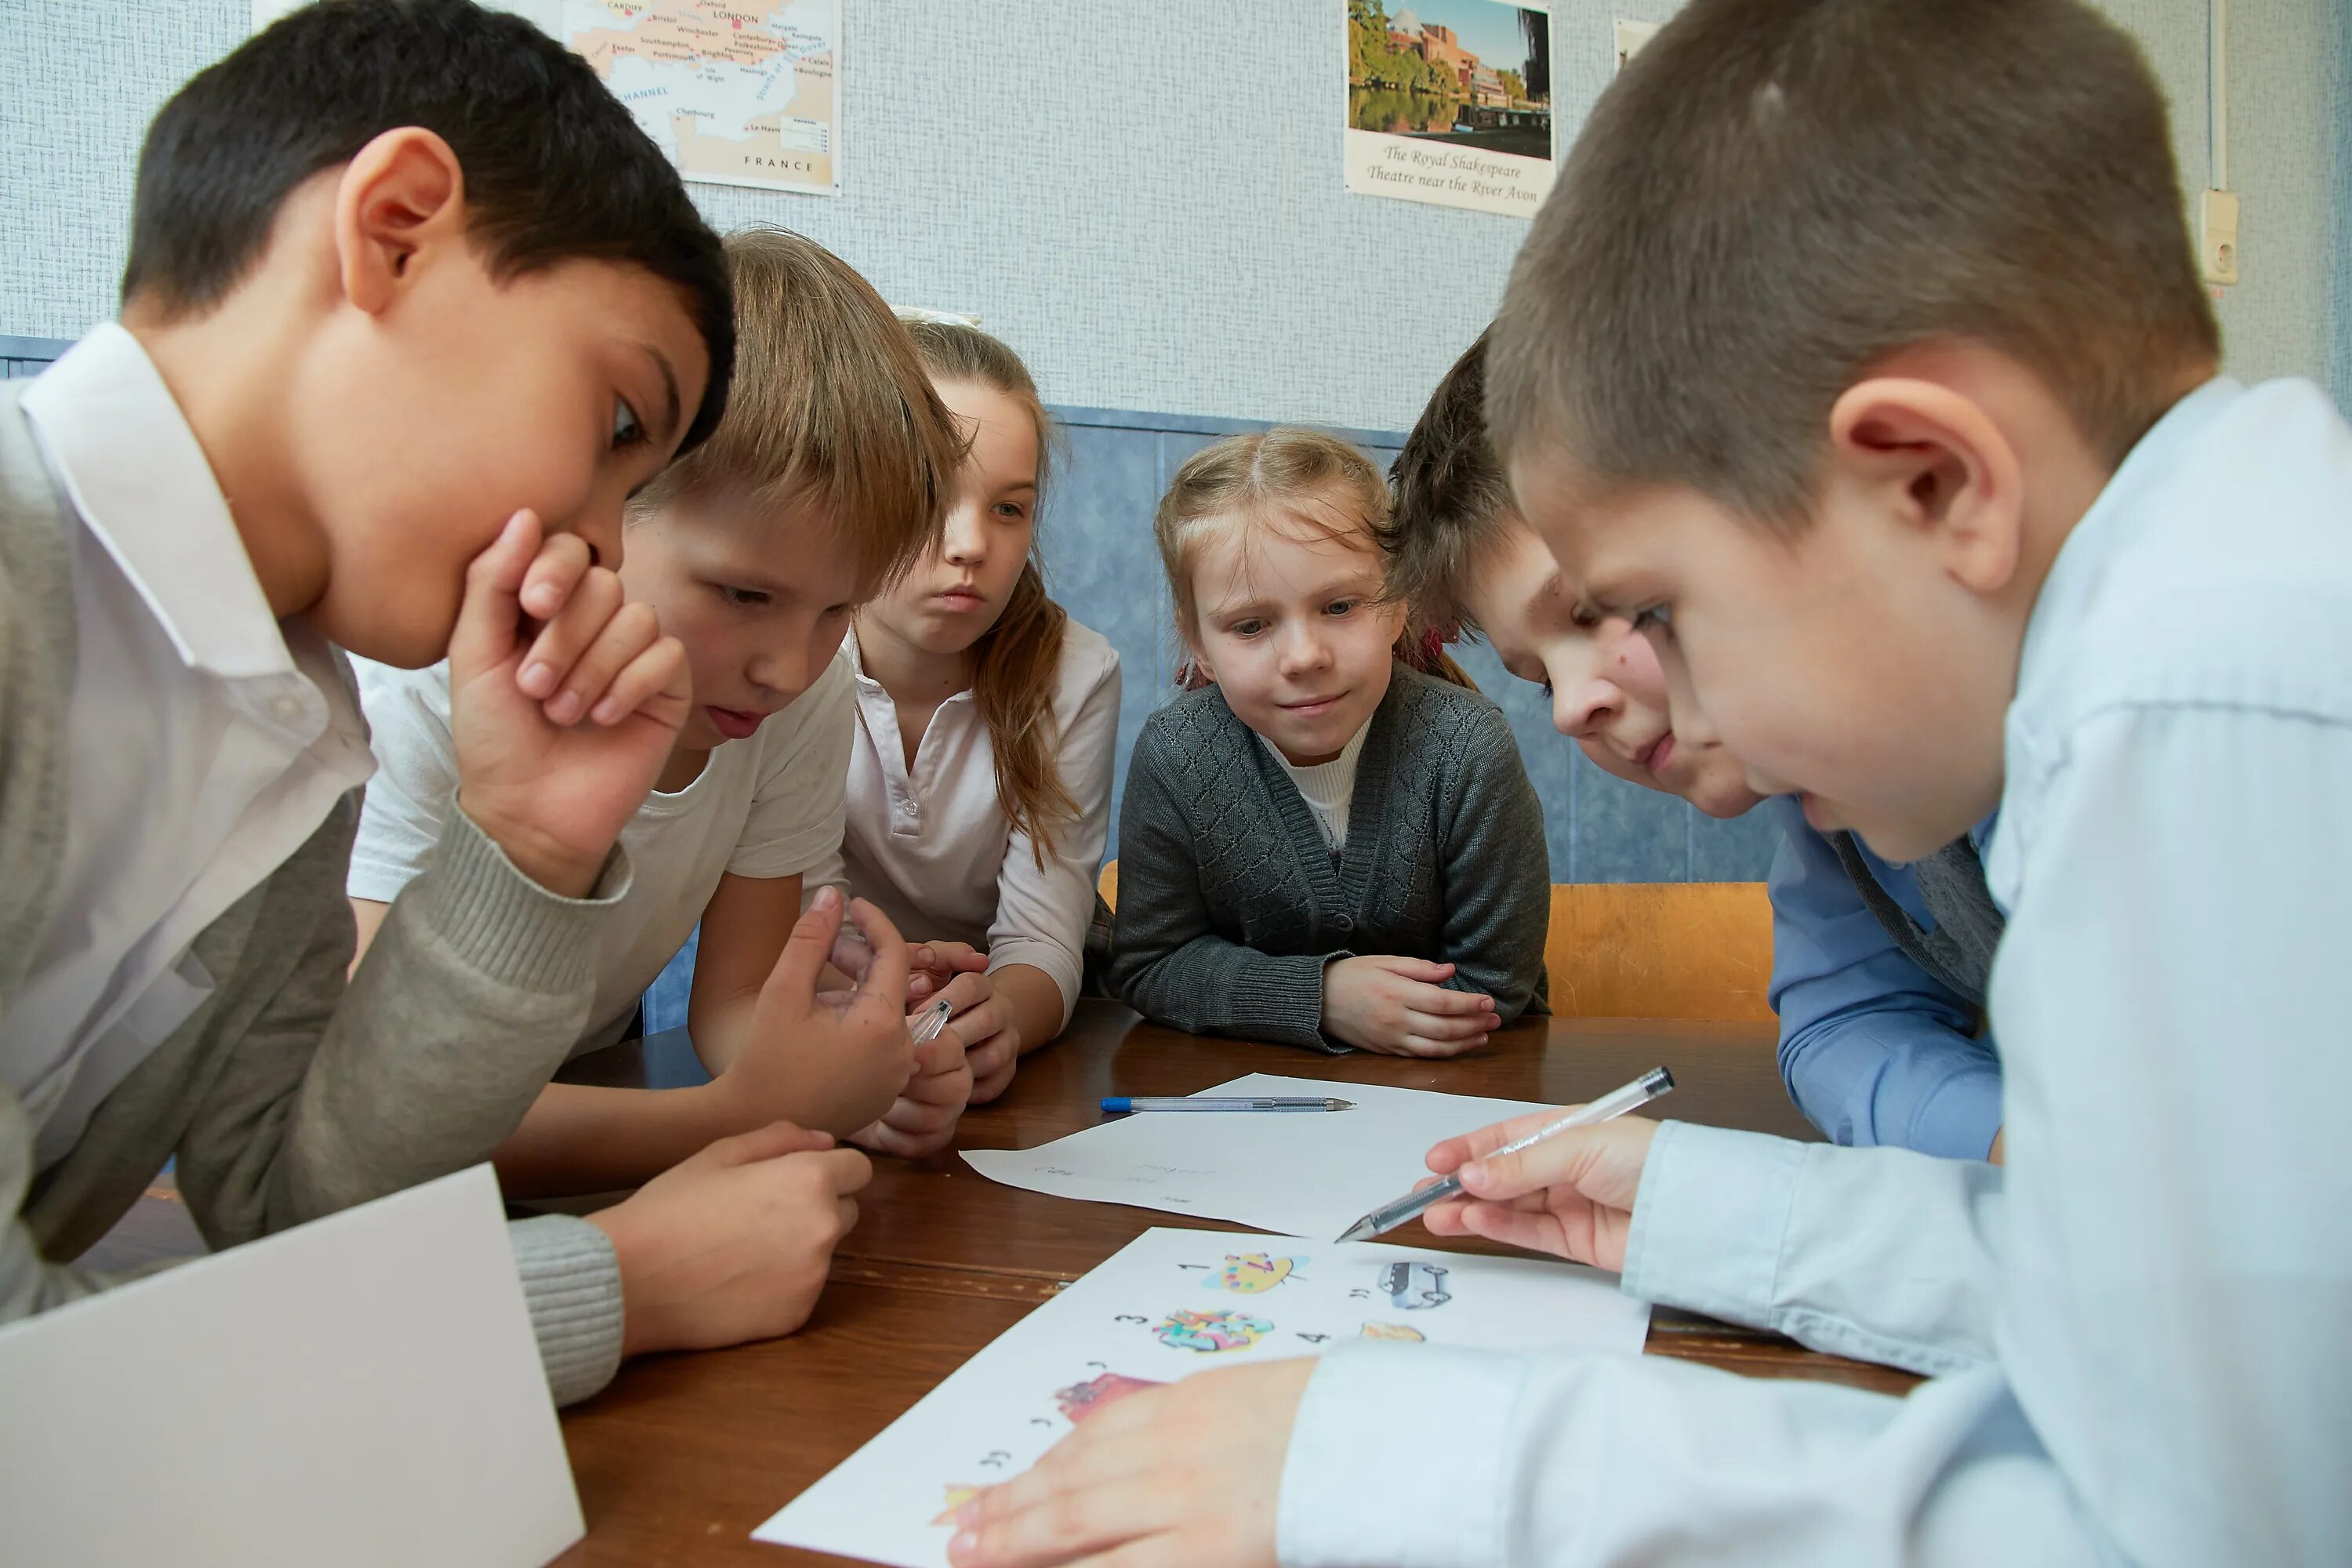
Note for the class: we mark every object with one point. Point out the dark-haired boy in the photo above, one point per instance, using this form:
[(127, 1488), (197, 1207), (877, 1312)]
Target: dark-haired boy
[(1878, 971), (411, 308), (1859, 355)]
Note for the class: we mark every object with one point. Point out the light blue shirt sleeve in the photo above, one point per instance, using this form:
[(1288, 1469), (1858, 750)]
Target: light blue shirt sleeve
[(2141, 1330), (1874, 1049), (1880, 1254)]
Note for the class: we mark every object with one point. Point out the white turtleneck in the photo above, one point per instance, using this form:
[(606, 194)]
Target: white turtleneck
[(1326, 788)]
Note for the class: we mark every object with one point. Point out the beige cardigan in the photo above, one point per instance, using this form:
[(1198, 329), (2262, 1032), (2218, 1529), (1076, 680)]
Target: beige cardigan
[(287, 1094)]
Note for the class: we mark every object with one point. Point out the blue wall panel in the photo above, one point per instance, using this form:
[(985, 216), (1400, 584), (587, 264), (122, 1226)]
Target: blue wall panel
[(1101, 564), (1103, 567)]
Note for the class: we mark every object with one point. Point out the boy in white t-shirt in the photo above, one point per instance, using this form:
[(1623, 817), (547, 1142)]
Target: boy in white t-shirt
[(753, 551)]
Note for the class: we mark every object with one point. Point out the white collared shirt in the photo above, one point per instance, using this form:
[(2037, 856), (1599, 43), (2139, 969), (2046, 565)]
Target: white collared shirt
[(2139, 1329), (205, 742), (932, 847)]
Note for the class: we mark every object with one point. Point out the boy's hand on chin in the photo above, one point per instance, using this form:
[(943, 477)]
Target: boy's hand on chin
[(565, 702), (1189, 1476)]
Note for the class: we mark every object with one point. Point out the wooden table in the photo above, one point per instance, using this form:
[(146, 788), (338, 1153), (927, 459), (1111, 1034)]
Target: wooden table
[(684, 1455)]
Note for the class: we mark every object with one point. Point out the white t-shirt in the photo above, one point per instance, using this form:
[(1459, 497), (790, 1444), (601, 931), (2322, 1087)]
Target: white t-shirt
[(768, 805), (934, 850)]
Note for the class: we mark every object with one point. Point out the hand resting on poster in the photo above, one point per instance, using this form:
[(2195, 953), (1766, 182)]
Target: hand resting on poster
[(1182, 1477), (1189, 1476)]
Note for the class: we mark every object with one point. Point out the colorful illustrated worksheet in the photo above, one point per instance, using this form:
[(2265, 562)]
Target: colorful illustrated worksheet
[(1170, 1303)]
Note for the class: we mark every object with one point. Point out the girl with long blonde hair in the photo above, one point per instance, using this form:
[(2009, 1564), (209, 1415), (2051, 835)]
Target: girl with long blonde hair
[(987, 726)]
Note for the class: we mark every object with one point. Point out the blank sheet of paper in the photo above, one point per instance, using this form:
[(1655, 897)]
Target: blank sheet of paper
[(363, 1389), (1170, 1303), (1303, 1173)]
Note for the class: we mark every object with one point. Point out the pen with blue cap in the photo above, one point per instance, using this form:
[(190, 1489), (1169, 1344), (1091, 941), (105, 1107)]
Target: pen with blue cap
[(1123, 1104)]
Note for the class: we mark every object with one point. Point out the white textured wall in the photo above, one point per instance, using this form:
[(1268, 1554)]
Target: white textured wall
[(1145, 198)]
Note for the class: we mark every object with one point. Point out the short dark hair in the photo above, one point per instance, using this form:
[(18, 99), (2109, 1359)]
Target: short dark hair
[(1777, 195), (555, 169), (1450, 499)]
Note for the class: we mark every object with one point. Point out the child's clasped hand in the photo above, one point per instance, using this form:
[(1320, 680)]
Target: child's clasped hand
[(1401, 1007), (828, 1049), (1189, 1476), (733, 1244)]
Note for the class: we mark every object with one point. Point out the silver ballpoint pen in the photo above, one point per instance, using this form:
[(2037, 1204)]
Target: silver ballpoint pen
[(1633, 1097)]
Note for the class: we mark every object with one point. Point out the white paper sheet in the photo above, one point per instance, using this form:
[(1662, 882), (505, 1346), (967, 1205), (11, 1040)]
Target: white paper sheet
[(1170, 1303), (1304, 1173), (363, 1389)]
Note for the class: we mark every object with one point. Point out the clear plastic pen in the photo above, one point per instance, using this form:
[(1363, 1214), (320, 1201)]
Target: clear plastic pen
[(934, 1019), (1633, 1097)]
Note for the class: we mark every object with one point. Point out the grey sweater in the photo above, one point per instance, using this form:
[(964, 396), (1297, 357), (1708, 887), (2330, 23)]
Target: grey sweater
[(287, 1095), (1959, 952), (1230, 904)]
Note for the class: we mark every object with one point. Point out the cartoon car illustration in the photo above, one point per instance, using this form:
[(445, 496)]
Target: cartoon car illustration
[(1415, 1287)]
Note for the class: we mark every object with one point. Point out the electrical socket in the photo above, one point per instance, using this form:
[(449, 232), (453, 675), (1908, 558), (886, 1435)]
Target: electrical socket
[(2217, 243)]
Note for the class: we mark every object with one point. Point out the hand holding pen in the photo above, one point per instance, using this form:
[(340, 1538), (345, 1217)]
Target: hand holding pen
[(922, 1119), (1570, 1194)]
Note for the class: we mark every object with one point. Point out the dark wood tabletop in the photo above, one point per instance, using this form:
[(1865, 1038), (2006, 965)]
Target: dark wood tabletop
[(682, 1456)]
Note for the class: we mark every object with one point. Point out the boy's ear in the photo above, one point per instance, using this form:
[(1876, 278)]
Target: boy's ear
[(1940, 464), (404, 194)]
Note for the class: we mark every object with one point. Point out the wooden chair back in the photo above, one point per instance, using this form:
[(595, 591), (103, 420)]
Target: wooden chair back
[(1692, 951), (1697, 951)]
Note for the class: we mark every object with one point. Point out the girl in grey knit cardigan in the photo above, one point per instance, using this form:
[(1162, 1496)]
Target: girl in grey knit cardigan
[(1320, 845)]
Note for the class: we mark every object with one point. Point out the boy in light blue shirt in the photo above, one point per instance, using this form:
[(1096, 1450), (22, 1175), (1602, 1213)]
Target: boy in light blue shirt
[(1859, 356), (1878, 970)]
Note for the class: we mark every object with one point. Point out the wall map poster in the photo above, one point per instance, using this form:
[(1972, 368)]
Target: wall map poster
[(1449, 101), (738, 92)]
